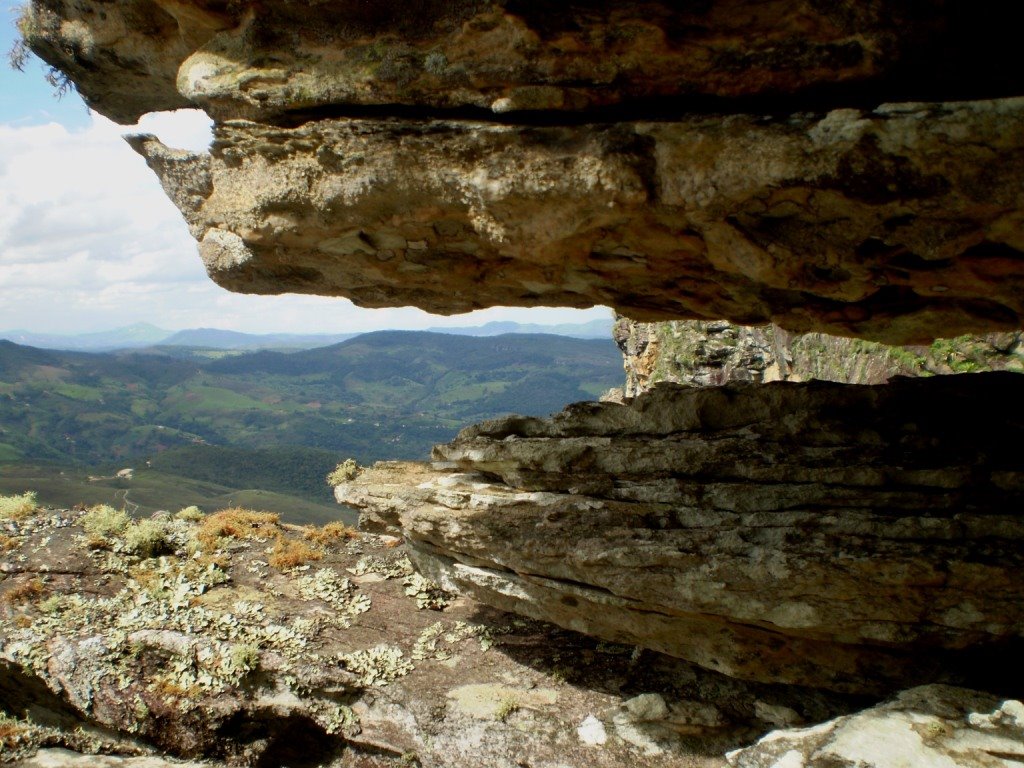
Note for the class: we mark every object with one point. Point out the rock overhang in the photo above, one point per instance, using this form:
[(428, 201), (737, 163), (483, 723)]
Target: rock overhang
[(716, 159)]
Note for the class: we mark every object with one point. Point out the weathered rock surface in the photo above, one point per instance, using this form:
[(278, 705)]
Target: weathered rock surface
[(700, 353), (830, 535), (340, 167), (933, 725), (270, 60), (64, 758), (335, 662), (901, 223)]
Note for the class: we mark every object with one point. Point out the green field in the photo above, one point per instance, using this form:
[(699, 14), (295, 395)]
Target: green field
[(388, 395)]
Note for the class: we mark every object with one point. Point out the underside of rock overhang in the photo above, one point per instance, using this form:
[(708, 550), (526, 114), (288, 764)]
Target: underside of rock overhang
[(851, 167)]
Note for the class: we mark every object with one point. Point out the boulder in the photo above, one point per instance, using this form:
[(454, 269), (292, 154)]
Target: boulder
[(932, 725)]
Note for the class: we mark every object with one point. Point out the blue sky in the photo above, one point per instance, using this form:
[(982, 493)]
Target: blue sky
[(88, 241), (28, 100)]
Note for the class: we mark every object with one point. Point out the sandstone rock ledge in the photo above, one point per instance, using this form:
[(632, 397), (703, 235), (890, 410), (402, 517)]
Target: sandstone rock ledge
[(831, 535)]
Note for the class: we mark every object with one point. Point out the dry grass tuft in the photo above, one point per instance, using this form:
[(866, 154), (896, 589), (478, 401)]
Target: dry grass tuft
[(236, 523), (289, 553), (23, 593), (8, 543), (330, 533), (11, 732)]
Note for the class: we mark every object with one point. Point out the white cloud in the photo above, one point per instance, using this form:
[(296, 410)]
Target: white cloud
[(88, 241)]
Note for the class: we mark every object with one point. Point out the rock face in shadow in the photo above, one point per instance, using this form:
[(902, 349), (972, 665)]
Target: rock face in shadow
[(844, 167), (829, 535), (276, 60)]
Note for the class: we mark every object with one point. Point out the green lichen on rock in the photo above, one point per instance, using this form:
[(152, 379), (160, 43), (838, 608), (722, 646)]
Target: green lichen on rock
[(427, 593), (379, 665), (394, 567), (438, 641), (325, 584)]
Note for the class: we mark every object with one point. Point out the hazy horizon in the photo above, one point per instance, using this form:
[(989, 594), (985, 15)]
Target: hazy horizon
[(458, 321)]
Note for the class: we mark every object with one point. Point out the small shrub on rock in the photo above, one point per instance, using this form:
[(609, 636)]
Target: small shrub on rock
[(345, 471), (103, 522), (147, 538), (192, 514), (18, 507)]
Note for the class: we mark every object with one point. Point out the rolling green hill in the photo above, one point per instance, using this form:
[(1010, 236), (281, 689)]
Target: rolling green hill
[(274, 421)]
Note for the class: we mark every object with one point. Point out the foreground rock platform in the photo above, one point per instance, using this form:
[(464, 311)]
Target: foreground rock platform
[(348, 660), (848, 537)]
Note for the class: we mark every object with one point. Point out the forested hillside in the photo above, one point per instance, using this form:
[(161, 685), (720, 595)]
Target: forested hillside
[(277, 421)]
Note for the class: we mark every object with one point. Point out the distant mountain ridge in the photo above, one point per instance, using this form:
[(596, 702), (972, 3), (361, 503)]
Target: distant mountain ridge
[(215, 338), (595, 329), (127, 337), (143, 335)]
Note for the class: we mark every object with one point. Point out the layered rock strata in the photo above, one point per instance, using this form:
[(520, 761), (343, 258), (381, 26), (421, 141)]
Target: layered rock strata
[(829, 535), (701, 353), (719, 159)]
